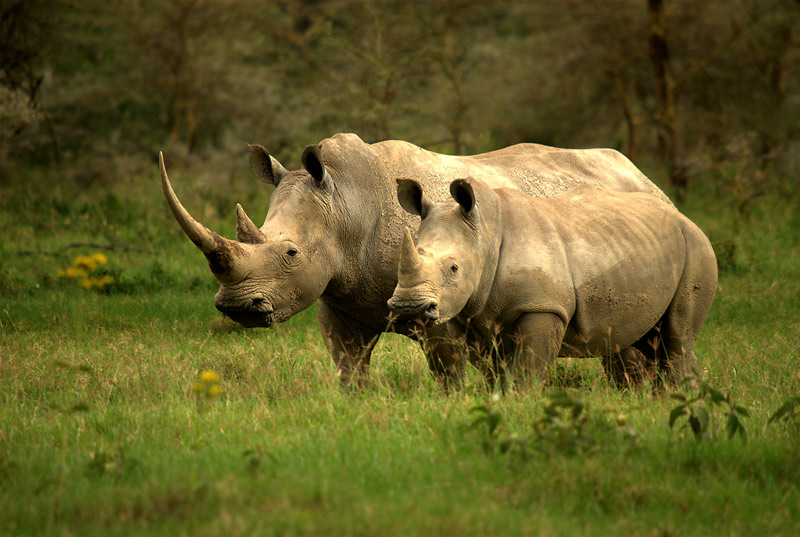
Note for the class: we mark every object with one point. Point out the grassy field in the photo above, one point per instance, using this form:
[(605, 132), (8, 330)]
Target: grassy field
[(103, 430)]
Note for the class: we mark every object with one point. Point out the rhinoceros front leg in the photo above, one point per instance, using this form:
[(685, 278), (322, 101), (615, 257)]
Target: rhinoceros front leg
[(349, 342), (446, 355), (538, 338)]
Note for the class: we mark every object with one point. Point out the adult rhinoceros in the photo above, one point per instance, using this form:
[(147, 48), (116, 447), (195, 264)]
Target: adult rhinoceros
[(334, 228), (586, 273)]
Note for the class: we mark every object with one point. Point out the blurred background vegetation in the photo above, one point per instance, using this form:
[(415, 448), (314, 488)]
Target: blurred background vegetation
[(696, 93)]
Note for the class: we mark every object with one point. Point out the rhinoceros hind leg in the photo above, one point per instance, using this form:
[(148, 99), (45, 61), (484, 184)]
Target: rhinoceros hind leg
[(684, 317)]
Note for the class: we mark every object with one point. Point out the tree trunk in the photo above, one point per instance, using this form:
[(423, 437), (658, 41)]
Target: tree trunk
[(631, 123), (669, 138)]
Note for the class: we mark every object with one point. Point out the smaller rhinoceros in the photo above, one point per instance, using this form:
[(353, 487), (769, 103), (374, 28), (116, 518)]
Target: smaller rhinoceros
[(519, 280)]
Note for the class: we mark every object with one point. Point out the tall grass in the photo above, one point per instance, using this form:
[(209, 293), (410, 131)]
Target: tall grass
[(101, 431)]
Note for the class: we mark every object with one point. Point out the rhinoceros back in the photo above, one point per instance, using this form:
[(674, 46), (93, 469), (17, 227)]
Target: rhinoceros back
[(537, 170)]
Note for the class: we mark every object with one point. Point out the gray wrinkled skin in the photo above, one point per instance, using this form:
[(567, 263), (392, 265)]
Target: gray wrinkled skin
[(334, 229), (587, 273)]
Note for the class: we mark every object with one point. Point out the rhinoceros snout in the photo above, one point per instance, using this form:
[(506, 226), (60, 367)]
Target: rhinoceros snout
[(249, 313), (261, 305), (425, 309), (432, 311)]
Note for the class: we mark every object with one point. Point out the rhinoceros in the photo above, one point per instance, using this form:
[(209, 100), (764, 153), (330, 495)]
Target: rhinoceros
[(587, 273), (333, 232)]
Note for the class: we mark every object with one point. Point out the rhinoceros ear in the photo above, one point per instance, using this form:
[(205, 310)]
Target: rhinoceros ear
[(264, 166), (314, 165), (462, 192), (412, 198)]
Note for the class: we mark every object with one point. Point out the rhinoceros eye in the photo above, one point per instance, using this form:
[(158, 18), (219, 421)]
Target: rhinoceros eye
[(291, 252), (453, 268)]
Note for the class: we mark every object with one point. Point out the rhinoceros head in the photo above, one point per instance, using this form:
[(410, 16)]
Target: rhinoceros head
[(269, 274), (438, 276)]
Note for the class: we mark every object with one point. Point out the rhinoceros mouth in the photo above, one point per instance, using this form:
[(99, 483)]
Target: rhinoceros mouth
[(423, 309), (250, 313), (251, 319)]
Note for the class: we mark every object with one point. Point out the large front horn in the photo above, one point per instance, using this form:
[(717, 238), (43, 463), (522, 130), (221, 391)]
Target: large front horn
[(410, 261), (217, 249)]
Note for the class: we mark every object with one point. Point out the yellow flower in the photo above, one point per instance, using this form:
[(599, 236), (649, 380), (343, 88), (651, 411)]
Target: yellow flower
[(87, 283), (73, 272), (99, 258), (213, 391), (197, 387), (209, 376), (85, 262)]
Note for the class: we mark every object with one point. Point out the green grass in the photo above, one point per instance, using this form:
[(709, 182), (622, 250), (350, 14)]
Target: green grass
[(101, 432)]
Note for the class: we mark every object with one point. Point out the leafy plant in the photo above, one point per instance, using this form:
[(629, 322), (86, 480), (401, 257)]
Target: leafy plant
[(116, 463), (698, 410), (254, 459), (788, 411), (566, 427), (488, 419), (564, 423)]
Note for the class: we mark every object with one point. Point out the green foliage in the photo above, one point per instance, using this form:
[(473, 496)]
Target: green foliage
[(726, 253), (563, 428), (255, 459), (115, 463), (566, 428), (487, 422), (698, 410), (92, 92), (788, 411)]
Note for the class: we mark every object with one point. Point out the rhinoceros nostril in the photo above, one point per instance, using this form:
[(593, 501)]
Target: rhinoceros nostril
[(432, 311), (260, 304)]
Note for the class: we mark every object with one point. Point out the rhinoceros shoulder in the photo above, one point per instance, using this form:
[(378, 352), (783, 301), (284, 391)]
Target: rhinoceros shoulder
[(353, 156), (342, 149), (345, 141)]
